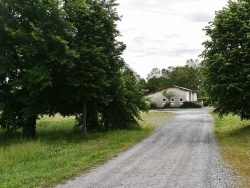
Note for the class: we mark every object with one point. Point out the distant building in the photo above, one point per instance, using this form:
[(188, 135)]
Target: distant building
[(181, 95)]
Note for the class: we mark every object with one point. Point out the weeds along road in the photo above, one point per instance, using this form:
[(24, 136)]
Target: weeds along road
[(181, 153)]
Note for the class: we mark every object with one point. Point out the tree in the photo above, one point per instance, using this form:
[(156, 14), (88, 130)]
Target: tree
[(33, 49), (194, 75), (185, 76), (104, 92), (90, 80), (154, 73), (168, 95), (63, 56), (157, 79), (226, 67), (156, 83), (126, 102)]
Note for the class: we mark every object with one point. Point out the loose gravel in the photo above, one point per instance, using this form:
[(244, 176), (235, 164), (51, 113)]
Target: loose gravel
[(181, 153)]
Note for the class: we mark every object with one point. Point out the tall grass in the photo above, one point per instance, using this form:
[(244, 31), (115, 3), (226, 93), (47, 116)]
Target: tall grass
[(233, 136), (59, 152)]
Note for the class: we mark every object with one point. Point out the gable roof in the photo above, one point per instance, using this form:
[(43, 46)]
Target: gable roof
[(172, 86), (182, 88)]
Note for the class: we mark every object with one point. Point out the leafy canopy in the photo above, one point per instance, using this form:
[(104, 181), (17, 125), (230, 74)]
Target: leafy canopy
[(34, 49), (226, 65), (185, 76), (63, 56)]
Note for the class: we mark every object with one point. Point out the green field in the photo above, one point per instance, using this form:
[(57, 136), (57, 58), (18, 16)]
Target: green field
[(233, 136), (59, 153)]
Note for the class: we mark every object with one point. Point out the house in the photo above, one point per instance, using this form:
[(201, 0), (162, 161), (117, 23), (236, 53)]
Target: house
[(179, 95)]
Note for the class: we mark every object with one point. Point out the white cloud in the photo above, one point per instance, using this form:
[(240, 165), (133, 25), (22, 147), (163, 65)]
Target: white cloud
[(163, 33)]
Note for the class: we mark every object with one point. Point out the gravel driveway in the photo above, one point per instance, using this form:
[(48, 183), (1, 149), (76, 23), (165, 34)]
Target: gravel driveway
[(181, 153)]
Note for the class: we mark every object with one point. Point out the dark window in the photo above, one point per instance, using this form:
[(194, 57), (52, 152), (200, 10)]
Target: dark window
[(181, 100), (164, 100)]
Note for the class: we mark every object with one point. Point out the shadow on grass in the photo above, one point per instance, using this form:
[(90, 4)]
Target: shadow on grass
[(54, 133), (7, 138), (243, 131), (49, 133)]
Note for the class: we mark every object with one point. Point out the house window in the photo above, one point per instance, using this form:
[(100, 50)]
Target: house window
[(164, 100), (181, 100), (172, 100)]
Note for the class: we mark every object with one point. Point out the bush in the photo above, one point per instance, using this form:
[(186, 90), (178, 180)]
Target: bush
[(188, 104), (152, 105), (205, 101), (166, 105)]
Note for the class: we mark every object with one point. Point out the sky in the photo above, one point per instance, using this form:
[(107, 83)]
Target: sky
[(163, 33)]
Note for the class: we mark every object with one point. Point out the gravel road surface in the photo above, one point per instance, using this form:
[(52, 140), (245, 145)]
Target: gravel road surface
[(181, 153)]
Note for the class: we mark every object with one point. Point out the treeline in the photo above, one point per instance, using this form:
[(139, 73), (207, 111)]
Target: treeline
[(62, 56), (185, 76)]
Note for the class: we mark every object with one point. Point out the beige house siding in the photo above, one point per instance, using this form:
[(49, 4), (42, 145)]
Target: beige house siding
[(181, 95), (191, 96), (157, 98)]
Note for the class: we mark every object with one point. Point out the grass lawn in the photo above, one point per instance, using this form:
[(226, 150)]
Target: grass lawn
[(59, 153), (233, 136)]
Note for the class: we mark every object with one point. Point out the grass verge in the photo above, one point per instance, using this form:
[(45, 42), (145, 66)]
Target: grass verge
[(59, 153), (233, 136)]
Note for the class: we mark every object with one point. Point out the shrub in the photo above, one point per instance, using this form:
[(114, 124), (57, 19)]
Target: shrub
[(152, 105), (188, 104), (205, 101), (166, 105)]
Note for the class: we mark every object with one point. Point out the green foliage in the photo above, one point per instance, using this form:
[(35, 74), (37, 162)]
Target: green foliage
[(155, 73), (123, 109), (189, 104), (58, 57), (152, 105), (99, 76), (167, 105), (226, 67), (88, 81), (33, 49), (154, 83), (185, 76), (205, 100), (168, 94)]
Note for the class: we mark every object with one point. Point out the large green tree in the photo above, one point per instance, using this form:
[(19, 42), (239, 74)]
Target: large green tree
[(63, 56), (91, 79), (34, 46), (226, 65)]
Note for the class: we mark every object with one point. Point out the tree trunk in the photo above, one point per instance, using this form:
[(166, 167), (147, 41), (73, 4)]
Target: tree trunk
[(30, 130), (92, 117), (84, 121)]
